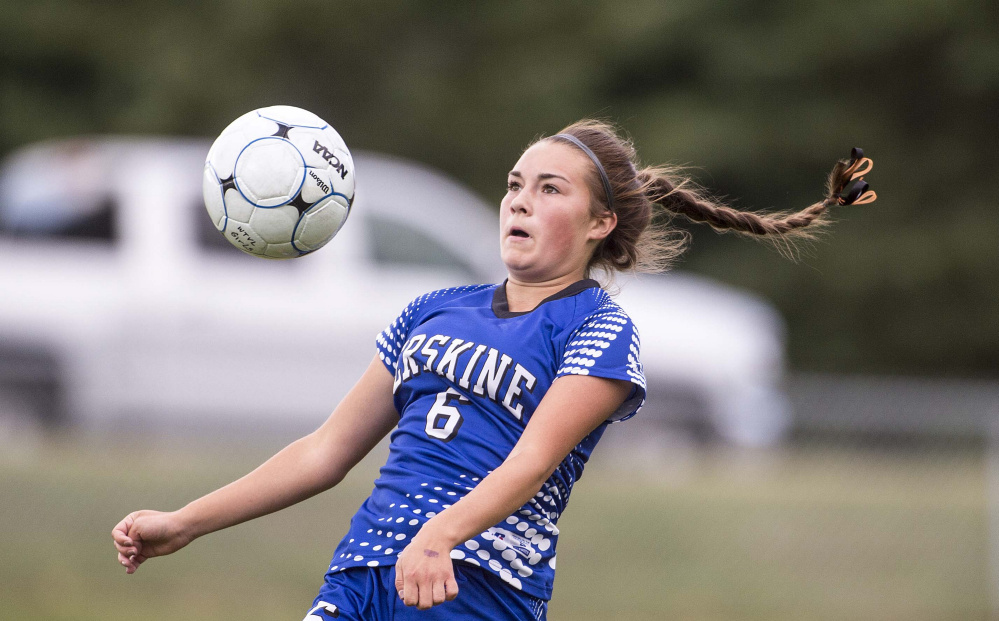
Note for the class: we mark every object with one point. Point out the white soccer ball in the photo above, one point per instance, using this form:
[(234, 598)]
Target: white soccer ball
[(279, 182)]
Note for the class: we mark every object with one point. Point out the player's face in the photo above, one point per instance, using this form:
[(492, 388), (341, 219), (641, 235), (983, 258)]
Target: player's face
[(547, 229)]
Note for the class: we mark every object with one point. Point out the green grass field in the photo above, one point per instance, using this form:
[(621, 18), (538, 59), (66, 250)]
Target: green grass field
[(800, 533)]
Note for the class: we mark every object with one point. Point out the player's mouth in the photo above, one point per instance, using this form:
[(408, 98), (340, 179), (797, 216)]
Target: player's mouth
[(518, 232)]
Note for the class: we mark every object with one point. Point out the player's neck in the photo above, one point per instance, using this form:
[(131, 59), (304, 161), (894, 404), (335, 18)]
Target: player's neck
[(525, 296)]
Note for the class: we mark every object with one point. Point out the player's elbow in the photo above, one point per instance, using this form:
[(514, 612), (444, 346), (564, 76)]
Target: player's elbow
[(326, 467)]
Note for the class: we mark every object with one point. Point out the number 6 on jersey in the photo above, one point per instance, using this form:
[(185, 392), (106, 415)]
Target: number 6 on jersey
[(444, 419)]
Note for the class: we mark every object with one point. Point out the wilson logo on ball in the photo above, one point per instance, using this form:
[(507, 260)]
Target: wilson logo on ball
[(319, 182)]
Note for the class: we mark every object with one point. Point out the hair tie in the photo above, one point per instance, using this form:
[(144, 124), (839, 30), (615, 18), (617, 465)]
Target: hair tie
[(596, 162), (855, 190)]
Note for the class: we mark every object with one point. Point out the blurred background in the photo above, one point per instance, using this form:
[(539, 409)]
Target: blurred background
[(817, 440)]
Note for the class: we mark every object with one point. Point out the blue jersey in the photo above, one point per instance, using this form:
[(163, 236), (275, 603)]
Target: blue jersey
[(468, 376)]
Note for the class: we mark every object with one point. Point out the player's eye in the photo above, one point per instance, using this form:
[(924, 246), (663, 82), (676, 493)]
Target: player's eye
[(549, 189), (512, 186)]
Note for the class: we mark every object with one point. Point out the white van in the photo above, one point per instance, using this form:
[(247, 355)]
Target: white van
[(120, 302)]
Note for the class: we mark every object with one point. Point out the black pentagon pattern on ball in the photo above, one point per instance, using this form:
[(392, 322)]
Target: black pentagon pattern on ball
[(229, 183), (299, 203), (282, 131)]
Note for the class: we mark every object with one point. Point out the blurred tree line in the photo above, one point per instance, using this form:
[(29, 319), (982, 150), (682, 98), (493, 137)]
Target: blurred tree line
[(760, 97)]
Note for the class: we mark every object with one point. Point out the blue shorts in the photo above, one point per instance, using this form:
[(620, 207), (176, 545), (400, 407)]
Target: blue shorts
[(368, 594)]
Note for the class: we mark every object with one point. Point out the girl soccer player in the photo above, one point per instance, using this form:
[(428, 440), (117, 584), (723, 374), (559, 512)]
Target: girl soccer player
[(497, 395)]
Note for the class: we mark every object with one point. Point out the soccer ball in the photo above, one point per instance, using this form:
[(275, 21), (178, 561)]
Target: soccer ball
[(279, 182)]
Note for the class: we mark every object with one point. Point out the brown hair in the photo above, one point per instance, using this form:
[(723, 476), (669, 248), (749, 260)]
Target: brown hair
[(645, 240)]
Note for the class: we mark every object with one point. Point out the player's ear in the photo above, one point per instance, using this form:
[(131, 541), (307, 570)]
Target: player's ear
[(602, 225)]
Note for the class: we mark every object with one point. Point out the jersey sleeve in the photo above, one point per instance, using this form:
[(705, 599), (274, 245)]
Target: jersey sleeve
[(607, 345), (389, 341)]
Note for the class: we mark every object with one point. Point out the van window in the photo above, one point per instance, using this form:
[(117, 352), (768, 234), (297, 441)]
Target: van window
[(395, 242), (61, 218), (60, 192)]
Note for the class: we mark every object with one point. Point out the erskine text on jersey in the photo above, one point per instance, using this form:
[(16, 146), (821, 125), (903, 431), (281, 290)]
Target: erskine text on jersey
[(442, 354)]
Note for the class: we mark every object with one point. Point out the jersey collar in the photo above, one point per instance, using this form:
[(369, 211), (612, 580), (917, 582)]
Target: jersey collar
[(501, 307)]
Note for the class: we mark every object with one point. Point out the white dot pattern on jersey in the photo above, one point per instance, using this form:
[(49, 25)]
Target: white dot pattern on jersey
[(390, 340), (600, 332), (535, 525), (408, 520)]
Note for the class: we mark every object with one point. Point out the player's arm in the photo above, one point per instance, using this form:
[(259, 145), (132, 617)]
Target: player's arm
[(574, 406), (306, 467)]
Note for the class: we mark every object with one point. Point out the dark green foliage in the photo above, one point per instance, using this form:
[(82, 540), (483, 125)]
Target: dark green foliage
[(761, 97)]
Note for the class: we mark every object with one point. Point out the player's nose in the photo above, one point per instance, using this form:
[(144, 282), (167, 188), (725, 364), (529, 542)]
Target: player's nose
[(521, 203)]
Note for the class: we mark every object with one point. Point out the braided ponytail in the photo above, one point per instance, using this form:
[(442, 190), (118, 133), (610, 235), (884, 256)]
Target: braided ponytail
[(645, 239), (777, 226)]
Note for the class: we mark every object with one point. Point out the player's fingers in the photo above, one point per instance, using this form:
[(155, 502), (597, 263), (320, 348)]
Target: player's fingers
[(450, 588), (128, 554), (399, 584), (437, 593), (127, 546), (410, 591), (134, 531), (127, 549), (120, 532), (127, 563), (426, 597)]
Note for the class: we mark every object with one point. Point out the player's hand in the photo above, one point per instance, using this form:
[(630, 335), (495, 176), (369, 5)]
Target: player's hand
[(424, 574), (145, 534)]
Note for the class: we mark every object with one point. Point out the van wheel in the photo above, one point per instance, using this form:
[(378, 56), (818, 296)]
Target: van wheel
[(30, 386)]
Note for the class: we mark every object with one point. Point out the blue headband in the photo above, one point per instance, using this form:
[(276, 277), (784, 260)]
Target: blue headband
[(596, 162)]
